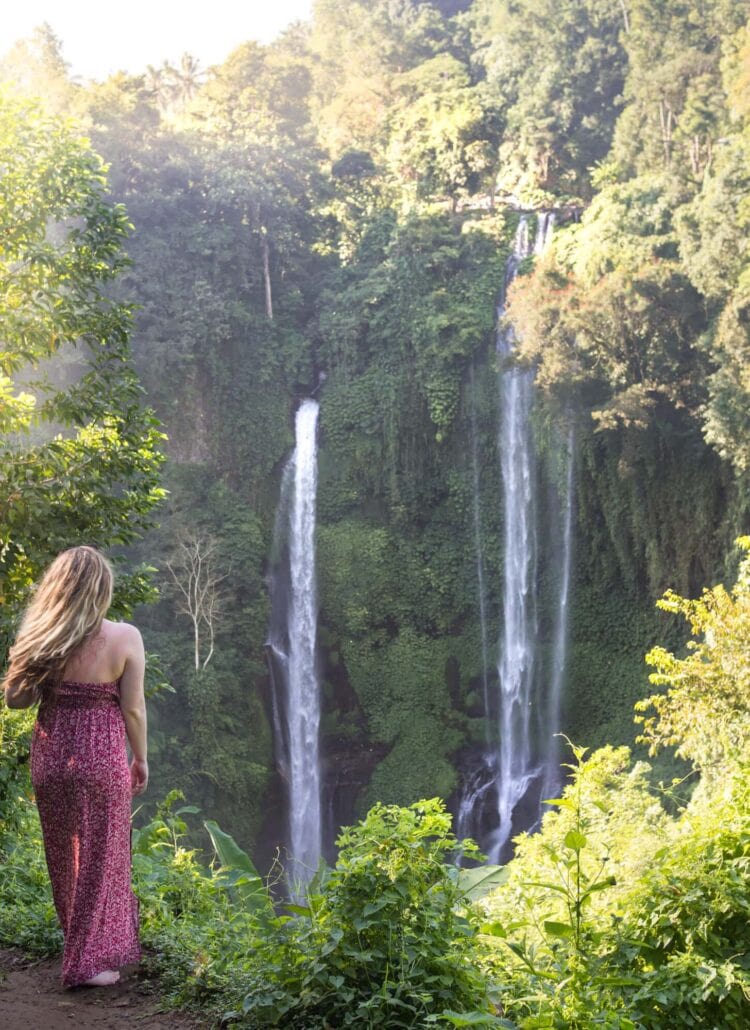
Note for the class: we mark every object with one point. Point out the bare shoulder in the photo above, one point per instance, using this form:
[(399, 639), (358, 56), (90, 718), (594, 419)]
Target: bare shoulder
[(124, 635)]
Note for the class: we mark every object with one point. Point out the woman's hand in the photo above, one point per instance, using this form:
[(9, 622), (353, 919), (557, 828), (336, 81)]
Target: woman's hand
[(138, 775)]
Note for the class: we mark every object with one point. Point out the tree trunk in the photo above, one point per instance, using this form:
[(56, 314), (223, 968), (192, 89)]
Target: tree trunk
[(665, 118), (625, 17), (267, 273)]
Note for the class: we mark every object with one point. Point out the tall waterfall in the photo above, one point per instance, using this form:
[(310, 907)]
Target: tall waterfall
[(292, 646), (516, 664), (520, 766)]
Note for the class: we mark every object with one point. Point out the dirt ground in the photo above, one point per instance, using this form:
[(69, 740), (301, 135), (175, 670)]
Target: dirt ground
[(31, 998)]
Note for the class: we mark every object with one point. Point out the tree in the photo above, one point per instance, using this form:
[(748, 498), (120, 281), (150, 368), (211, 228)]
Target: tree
[(556, 71), (705, 710), (359, 48), (194, 574), (439, 130), (36, 67), (170, 86), (675, 108), (611, 316), (78, 453)]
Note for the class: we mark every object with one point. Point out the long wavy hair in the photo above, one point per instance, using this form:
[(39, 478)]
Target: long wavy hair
[(67, 608)]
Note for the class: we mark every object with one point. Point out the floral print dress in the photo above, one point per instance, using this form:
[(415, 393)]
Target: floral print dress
[(79, 769)]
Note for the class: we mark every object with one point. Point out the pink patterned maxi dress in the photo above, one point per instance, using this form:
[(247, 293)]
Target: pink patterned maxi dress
[(79, 769)]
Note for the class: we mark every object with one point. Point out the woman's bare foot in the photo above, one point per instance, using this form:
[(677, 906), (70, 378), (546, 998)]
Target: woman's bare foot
[(104, 979)]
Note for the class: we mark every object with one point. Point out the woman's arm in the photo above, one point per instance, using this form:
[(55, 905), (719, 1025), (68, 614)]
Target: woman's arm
[(133, 706)]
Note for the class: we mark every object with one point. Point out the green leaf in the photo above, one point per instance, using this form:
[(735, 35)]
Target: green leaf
[(575, 840), (299, 910), (600, 885), (251, 889), (493, 929), (476, 883), (555, 929), (476, 1019)]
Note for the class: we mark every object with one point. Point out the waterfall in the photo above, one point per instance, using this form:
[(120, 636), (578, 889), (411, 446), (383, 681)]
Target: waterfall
[(516, 663), (291, 645), (479, 547), (502, 788), (552, 781)]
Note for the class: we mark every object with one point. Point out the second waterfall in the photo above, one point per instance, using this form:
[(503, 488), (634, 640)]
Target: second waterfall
[(519, 767)]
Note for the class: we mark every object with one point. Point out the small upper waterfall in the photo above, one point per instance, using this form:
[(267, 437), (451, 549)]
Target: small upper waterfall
[(292, 645)]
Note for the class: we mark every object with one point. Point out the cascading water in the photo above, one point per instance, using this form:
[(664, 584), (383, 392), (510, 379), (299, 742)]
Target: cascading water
[(292, 646), (553, 780), (517, 645), (511, 766), (479, 545)]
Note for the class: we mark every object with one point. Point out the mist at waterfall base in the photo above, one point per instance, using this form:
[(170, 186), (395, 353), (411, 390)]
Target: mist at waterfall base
[(292, 650), (504, 786)]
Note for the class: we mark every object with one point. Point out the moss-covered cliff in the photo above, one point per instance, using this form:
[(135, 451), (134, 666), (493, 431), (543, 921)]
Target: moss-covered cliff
[(333, 213)]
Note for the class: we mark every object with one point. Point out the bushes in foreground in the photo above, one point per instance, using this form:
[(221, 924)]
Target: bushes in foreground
[(581, 935), (387, 938), (649, 931), (617, 914)]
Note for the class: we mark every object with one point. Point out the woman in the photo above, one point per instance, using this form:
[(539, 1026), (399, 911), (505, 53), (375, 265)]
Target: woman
[(87, 674)]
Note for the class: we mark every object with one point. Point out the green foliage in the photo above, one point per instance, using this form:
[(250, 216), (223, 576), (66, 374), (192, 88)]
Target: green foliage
[(15, 739), (555, 73), (618, 916), (243, 876), (684, 932), (384, 944), (705, 710), (384, 939), (27, 913), (403, 690), (440, 124), (395, 540), (79, 453), (192, 929), (675, 111), (422, 308), (611, 317)]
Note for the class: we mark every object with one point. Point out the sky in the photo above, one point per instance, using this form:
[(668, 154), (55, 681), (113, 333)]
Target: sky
[(99, 38)]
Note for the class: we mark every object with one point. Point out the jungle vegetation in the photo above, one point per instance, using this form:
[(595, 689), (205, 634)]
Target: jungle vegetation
[(187, 252)]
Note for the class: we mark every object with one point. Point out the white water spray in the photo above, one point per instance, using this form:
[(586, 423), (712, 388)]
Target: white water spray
[(516, 661), (479, 548), (292, 648), (303, 709)]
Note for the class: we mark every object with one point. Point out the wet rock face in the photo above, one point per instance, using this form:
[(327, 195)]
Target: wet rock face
[(346, 774)]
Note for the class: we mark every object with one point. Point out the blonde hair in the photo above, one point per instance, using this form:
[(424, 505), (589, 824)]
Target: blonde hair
[(67, 608)]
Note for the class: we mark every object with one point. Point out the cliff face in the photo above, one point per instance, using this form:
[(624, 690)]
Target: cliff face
[(409, 493)]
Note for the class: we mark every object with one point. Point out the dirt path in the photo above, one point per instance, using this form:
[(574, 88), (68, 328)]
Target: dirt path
[(31, 998)]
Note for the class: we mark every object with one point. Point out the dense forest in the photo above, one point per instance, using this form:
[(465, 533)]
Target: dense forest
[(333, 215)]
